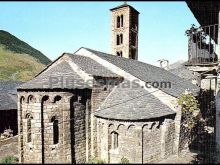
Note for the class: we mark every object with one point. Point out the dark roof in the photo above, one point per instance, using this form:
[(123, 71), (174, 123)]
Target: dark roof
[(177, 64), (132, 104), (8, 94), (124, 5), (91, 67), (179, 69), (206, 12), (63, 70), (8, 101), (185, 73), (62, 73), (150, 73), (9, 86)]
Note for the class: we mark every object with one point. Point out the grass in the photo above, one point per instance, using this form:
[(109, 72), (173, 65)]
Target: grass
[(94, 160), (9, 160), (14, 44), (15, 66)]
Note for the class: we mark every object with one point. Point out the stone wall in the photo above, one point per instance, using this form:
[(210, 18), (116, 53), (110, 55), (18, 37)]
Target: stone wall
[(184, 138), (130, 27), (37, 112), (101, 89), (139, 142), (168, 138)]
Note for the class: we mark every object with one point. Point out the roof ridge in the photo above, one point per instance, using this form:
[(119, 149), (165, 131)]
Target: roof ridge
[(86, 58), (147, 72), (122, 57)]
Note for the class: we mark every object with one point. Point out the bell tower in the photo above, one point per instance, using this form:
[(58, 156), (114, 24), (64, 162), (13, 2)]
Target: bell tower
[(124, 31)]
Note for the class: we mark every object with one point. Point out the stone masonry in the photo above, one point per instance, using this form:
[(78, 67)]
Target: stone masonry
[(36, 144), (125, 31), (139, 142)]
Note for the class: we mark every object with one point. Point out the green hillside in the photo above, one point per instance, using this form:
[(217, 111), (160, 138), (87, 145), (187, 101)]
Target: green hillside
[(15, 66), (18, 60), (14, 44)]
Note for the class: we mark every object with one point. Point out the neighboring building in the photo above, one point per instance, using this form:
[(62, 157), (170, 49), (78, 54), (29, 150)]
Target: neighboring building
[(204, 51), (8, 106), (203, 56), (125, 31)]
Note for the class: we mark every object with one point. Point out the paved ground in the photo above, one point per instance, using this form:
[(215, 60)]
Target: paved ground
[(9, 147)]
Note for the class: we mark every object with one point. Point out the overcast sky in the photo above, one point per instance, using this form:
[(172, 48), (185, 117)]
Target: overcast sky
[(57, 27)]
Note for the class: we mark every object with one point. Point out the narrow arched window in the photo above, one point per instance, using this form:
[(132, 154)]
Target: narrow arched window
[(118, 40), (121, 38), (122, 20), (114, 140), (55, 130), (118, 22), (121, 54), (118, 54), (29, 118)]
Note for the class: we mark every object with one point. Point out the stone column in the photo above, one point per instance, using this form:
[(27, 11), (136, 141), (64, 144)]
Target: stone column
[(167, 138), (88, 131), (37, 139), (20, 130), (66, 129), (177, 130)]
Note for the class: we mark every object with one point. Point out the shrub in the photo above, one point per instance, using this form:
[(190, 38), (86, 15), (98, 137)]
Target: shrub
[(192, 120), (95, 160), (9, 160), (124, 160)]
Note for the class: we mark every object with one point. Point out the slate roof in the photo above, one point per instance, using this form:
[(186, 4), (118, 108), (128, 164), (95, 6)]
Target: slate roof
[(91, 67), (149, 73), (177, 64), (60, 76), (185, 73), (179, 69), (64, 71), (132, 104), (8, 94)]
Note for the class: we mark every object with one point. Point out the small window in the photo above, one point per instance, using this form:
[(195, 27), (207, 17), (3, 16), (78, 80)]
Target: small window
[(118, 22), (118, 40), (121, 38), (133, 54), (119, 54), (114, 140), (29, 118), (122, 20), (133, 39), (55, 130)]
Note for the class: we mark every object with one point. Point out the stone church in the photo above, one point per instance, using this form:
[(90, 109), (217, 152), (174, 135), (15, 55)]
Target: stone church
[(93, 104)]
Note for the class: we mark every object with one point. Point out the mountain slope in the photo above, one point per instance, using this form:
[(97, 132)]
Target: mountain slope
[(15, 66), (18, 60), (12, 43)]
